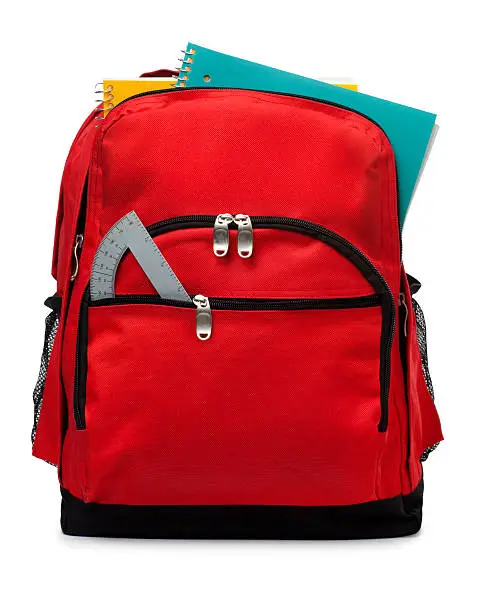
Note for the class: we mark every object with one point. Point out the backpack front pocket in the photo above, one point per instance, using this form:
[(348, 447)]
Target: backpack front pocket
[(280, 406)]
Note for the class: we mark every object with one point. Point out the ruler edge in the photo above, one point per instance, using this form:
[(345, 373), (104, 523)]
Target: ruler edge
[(126, 247)]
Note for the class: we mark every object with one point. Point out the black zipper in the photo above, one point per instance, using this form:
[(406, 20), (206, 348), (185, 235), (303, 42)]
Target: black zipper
[(402, 344), (340, 244), (81, 348), (81, 363), (81, 222), (266, 91), (365, 301), (383, 297)]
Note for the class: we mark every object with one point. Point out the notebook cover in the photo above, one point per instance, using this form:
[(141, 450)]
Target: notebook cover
[(117, 90), (408, 129)]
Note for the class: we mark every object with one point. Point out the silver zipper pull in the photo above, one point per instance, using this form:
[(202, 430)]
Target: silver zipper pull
[(244, 235), (203, 317), (221, 234), (403, 302), (76, 250)]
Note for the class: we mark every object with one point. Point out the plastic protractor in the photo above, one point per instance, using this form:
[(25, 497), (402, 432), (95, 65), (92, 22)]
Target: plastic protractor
[(130, 233)]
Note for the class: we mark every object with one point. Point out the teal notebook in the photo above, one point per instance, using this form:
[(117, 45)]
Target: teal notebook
[(408, 129)]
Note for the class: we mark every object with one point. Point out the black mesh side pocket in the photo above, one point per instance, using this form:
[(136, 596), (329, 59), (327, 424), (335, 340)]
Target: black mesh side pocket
[(422, 345), (51, 327)]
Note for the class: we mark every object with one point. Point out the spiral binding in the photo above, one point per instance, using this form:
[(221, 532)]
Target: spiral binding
[(186, 61), (106, 100)]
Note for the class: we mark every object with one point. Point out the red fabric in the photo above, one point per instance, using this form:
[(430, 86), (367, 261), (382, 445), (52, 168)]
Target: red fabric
[(56, 242), (277, 407), (313, 269), (53, 415), (179, 421)]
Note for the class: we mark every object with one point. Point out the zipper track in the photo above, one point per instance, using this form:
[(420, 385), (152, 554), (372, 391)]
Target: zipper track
[(343, 246), (80, 358), (81, 363), (179, 91), (246, 304), (274, 222)]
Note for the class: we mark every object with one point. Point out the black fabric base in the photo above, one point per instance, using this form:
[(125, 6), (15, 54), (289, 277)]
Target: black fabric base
[(388, 518)]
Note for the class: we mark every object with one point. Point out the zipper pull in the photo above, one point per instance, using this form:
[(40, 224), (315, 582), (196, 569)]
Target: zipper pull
[(403, 302), (203, 317), (221, 234), (76, 251), (244, 235)]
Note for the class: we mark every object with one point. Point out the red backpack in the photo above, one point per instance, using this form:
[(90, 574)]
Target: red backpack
[(290, 397)]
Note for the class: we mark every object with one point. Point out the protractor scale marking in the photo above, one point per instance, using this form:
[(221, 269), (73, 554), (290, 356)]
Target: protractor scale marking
[(130, 233)]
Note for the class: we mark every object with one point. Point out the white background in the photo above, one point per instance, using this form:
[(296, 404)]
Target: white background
[(418, 53)]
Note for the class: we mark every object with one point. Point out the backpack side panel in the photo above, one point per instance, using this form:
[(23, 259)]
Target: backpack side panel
[(53, 415)]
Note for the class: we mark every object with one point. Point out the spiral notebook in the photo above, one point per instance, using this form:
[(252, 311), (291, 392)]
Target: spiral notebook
[(115, 91), (408, 129)]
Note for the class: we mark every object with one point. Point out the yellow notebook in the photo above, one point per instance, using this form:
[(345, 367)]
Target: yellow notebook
[(116, 90), (351, 86)]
